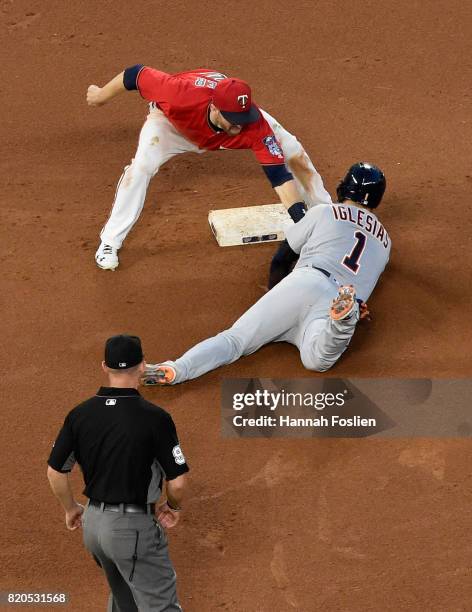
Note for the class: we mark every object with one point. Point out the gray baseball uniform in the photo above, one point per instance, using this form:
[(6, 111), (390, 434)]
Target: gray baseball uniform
[(339, 244), (346, 240)]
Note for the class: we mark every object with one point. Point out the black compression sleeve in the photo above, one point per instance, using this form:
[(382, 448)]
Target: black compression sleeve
[(130, 76), (297, 211), (277, 174), (281, 264)]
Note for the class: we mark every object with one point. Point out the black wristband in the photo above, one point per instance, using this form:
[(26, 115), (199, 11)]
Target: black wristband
[(297, 211)]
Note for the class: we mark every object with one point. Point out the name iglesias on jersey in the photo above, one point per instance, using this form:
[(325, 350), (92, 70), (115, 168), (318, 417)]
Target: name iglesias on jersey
[(364, 220)]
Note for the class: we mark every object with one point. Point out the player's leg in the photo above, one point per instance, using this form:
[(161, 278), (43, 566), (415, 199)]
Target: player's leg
[(272, 318), (308, 180), (325, 339), (158, 142)]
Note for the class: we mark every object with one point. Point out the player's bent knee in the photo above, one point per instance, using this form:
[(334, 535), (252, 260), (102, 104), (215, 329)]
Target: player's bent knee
[(319, 367), (315, 363), (146, 164), (146, 167)]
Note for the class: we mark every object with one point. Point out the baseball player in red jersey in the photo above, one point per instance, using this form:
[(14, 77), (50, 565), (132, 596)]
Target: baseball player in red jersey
[(197, 111)]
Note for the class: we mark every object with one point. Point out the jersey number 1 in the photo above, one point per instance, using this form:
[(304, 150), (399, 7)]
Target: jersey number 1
[(351, 261)]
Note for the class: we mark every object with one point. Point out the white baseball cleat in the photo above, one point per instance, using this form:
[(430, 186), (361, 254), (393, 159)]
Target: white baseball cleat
[(106, 257), (343, 305), (158, 374)]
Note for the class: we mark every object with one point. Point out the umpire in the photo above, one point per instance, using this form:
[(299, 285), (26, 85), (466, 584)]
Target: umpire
[(125, 447)]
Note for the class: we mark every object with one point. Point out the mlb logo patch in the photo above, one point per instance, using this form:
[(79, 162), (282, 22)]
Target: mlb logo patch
[(110, 402)]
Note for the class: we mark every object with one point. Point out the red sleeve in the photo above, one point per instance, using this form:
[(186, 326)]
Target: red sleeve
[(154, 85), (265, 145)]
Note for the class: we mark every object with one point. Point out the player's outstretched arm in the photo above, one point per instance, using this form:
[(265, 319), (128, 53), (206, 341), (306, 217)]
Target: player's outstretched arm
[(285, 187), (288, 193), (98, 96)]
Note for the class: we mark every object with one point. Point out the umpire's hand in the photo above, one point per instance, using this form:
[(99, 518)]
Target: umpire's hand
[(74, 517), (167, 517)]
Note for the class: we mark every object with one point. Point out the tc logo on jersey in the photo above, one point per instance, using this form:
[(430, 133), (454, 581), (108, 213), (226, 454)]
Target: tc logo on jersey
[(273, 146), (243, 100)]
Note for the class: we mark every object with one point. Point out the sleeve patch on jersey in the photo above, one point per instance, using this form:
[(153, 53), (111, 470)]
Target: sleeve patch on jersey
[(273, 146), (178, 455)]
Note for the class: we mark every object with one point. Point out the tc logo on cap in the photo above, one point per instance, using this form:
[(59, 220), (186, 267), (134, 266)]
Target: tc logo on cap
[(243, 100)]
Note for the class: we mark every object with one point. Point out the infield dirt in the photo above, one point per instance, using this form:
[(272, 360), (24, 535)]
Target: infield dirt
[(269, 525)]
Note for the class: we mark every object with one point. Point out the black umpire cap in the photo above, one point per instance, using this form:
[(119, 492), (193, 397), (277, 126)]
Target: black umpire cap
[(123, 351)]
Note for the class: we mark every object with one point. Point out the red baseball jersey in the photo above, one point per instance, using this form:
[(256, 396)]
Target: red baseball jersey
[(185, 97)]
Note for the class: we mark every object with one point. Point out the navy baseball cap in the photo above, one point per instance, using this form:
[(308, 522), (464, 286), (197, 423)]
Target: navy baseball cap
[(123, 351), (233, 98)]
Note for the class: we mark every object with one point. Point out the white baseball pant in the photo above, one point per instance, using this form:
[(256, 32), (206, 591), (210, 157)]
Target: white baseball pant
[(296, 310), (159, 141)]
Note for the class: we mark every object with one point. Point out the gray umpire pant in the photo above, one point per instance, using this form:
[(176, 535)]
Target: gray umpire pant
[(132, 551)]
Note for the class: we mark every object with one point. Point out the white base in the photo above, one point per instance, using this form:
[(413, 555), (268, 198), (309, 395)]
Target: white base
[(249, 225)]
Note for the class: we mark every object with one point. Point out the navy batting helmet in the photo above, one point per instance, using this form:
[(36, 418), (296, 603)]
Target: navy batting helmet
[(364, 183)]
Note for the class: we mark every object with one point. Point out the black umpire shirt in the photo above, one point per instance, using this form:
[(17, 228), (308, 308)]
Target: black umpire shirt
[(124, 445)]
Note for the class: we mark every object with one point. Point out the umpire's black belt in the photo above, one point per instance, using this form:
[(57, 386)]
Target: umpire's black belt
[(126, 508)]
